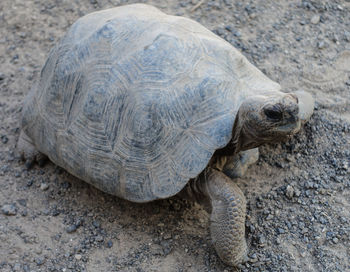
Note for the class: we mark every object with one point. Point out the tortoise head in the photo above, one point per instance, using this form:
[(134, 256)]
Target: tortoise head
[(270, 118)]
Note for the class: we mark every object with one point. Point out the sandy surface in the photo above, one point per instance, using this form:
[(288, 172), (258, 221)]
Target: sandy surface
[(298, 193)]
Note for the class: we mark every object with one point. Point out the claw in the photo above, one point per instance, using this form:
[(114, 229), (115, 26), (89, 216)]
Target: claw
[(29, 163), (41, 159)]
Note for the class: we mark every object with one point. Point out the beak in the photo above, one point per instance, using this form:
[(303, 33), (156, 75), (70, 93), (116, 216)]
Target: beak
[(306, 105)]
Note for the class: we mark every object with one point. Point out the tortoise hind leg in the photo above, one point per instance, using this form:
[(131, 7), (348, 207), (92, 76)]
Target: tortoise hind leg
[(28, 152), (237, 165)]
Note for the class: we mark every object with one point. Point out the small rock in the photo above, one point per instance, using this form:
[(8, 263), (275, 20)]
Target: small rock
[(253, 258), (304, 230), (166, 247), (315, 19), (55, 212), (252, 15), (9, 209), (26, 267), (22, 35), (99, 238), (289, 191), (167, 236), (22, 202), (71, 228), (269, 217), (96, 224), (347, 36), (261, 240), (321, 45), (4, 138), (24, 213), (39, 261), (44, 186), (30, 182), (281, 231), (17, 267), (77, 256), (109, 244), (2, 76), (297, 193), (66, 185)]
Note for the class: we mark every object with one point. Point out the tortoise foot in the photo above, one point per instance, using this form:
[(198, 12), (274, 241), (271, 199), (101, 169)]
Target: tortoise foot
[(28, 153)]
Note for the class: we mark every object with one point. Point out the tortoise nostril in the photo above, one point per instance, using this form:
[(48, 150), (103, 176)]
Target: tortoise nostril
[(295, 97), (275, 113)]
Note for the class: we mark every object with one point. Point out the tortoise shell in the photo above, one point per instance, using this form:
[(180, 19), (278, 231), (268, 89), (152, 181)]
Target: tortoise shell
[(135, 102)]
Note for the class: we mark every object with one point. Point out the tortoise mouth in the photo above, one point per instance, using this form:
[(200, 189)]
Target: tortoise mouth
[(289, 128)]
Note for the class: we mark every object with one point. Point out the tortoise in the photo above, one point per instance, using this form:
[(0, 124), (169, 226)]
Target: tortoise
[(144, 105)]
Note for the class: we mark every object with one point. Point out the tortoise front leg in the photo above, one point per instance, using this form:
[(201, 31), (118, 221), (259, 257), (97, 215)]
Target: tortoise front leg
[(226, 204)]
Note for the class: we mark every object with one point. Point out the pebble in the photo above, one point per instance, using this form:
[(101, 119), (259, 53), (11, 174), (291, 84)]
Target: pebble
[(55, 212), (281, 231), (24, 213), (78, 256), (39, 261), (17, 267), (289, 191), (9, 209), (315, 19), (321, 45), (2, 76), (96, 224), (253, 258), (167, 236), (297, 193), (261, 239), (4, 138), (109, 244), (166, 247), (44, 186), (99, 238), (71, 228), (22, 202), (30, 182), (269, 217)]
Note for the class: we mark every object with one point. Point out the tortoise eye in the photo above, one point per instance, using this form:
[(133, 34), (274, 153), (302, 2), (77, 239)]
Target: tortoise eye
[(274, 113)]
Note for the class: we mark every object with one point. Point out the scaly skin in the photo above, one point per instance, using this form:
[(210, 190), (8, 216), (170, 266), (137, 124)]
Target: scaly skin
[(226, 203)]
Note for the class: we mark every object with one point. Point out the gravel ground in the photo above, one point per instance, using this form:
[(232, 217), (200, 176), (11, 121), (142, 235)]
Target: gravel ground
[(298, 193)]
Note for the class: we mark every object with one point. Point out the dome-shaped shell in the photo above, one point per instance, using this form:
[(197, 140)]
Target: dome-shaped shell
[(135, 102)]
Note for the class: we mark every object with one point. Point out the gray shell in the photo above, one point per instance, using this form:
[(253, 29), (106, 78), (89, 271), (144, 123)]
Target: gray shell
[(135, 102)]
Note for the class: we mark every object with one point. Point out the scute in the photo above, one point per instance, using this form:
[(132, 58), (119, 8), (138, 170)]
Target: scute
[(136, 102)]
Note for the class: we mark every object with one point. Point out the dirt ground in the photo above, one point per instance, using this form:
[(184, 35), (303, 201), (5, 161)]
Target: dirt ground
[(298, 193)]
